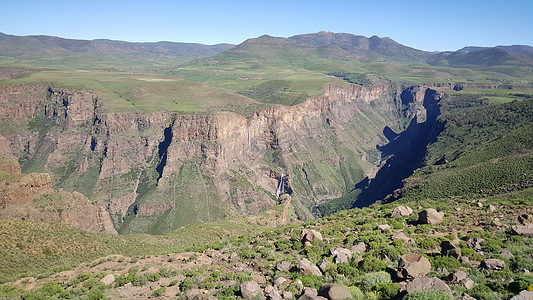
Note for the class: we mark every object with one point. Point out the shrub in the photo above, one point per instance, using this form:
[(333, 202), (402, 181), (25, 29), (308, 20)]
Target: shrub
[(159, 292), (313, 281), (96, 294), (371, 280), (186, 284), (347, 270), (428, 295), (483, 292), (357, 294), (492, 245), (173, 283), (51, 288), (372, 264), (387, 290), (448, 262), (521, 283), (519, 263), (153, 277), (139, 280)]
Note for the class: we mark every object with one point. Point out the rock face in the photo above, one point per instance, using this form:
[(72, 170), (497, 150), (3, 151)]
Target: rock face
[(307, 267), (401, 211), (492, 264), (430, 216), (32, 197), (412, 265), (334, 292), (427, 284), (249, 289), (159, 161)]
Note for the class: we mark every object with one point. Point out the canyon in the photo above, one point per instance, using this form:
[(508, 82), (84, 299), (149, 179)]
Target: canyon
[(156, 172)]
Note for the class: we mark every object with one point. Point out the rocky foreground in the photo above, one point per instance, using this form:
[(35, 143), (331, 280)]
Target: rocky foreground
[(461, 248)]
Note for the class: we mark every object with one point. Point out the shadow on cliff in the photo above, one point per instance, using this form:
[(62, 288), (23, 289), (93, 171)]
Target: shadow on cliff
[(405, 152)]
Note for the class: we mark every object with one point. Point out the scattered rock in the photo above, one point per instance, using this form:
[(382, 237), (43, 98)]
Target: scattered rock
[(449, 249), (108, 279), (323, 264), (496, 222), (492, 264), (412, 265), (401, 211), (203, 297), (342, 255), (427, 284), (467, 297), (284, 266), (464, 260), (307, 267), (384, 227), (430, 216), (524, 295), (287, 295), (474, 243), (492, 208), (523, 230), (280, 281), (479, 204), (334, 292), (359, 248), (309, 235), (400, 236), (468, 283), (525, 219), (250, 289), (308, 294), (271, 293), (507, 254), (457, 276)]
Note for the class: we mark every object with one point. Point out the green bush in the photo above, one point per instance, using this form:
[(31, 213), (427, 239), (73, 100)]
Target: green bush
[(313, 281), (448, 262), (371, 280), (186, 284), (139, 280), (153, 277), (483, 292), (387, 290), (357, 294), (347, 270), (372, 264), (159, 292), (96, 294), (51, 288), (428, 295), (522, 282), (519, 263)]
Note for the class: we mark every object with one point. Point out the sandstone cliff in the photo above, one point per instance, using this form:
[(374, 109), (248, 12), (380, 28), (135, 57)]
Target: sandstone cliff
[(155, 172)]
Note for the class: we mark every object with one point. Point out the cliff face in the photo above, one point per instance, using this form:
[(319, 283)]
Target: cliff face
[(32, 197), (159, 171)]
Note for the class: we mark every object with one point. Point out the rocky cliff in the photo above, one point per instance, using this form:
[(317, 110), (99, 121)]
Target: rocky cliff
[(155, 172), (32, 197)]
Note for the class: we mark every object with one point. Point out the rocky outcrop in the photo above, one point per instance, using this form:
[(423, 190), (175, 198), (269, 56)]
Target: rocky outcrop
[(413, 265), (308, 268), (401, 211), (427, 284), (430, 216), (492, 264)]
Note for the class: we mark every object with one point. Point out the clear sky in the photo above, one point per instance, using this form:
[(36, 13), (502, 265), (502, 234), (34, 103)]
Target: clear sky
[(428, 25)]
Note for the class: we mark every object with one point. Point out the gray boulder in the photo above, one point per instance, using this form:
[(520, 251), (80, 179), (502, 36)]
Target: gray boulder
[(523, 230), (307, 267), (468, 283), (334, 292), (412, 265), (525, 219), (427, 284), (401, 211), (250, 289), (449, 249), (271, 293), (492, 264), (474, 243), (284, 266), (309, 235), (323, 264), (108, 279), (358, 248), (524, 295), (430, 216), (308, 294), (384, 227), (457, 276)]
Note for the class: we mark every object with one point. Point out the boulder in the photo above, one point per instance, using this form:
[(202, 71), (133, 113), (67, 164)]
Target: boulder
[(271, 293), (427, 284), (287, 295), (307, 267), (507, 254), (309, 235), (358, 248), (341, 255), (525, 219), (108, 279), (308, 294), (449, 249), (250, 289), (203, 297), (280, 281), (412, 265), (468, 283), (400, 236), (474, 243), (384, 227), (523, 230), (323, 264), (492, 208), (334, 292), (284, 266), (467, 297), (457, 276), (430, 216), (492, 264), (524, 295), (401, 211)]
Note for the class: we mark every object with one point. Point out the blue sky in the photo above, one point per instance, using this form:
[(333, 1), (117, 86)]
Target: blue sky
[(427, 25)]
